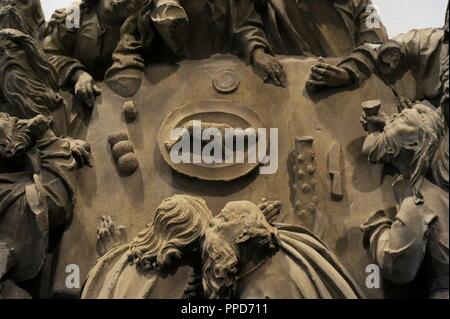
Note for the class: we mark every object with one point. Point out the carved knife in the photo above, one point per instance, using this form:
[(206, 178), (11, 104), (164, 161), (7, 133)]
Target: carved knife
[(334, 171)]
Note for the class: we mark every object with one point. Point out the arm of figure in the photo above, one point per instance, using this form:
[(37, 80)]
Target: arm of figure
[(399, 247), (324, 74), (370, 26), (109, 236), (360, 64), (270, 209), (248, 31), (128, 53), (58, 45), (81, 152)]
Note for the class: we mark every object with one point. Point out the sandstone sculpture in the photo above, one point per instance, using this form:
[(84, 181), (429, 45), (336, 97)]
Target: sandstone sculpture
[(233, 116), (122, 151), (29, 84), (335, 172), (163, 253), (418, 51), (78, 62), (37, 192), (305, 194), (245, 257), (28, 79), (179, 63), (24, 15), (416, 143), (226, 81), (130, 111)]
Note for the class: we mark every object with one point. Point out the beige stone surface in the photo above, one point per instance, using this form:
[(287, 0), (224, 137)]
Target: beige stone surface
[(131, 200)]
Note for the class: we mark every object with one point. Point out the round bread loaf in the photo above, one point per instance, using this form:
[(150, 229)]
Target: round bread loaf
[(128, 163)]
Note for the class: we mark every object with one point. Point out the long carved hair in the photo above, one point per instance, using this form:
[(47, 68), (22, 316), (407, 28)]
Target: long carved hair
[(31, 86), (179, 224), (221, 257), (430, 152), (33, 25)]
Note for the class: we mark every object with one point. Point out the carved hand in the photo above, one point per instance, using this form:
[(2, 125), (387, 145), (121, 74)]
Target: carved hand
[(327, 75), (270, 67), (374, 123), (85, 88), (270, 209), (405, 103), (108, 235), (81, 152)]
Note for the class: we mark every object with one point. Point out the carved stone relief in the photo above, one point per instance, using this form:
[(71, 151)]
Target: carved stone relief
[(232, 115), (122, 151), (199, 102)]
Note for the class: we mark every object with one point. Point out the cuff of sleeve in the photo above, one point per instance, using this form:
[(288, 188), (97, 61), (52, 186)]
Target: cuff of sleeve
[(352, 71), (251, 47), (66, 78), (373, 225)]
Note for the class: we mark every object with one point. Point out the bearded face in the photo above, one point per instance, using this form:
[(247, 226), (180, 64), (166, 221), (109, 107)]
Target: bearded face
[(239, 230), (25, 83), (220, 264), (22, 15)]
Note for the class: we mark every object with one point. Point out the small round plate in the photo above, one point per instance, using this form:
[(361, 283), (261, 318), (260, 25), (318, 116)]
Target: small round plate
[(226, 80)]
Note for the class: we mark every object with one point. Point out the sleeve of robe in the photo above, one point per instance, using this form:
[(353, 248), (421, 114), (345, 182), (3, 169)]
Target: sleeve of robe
[(248, 28), (398, 246), (31, 203), (361, 62), (424, 55), (370, 28), (59, 44), (128, 53)]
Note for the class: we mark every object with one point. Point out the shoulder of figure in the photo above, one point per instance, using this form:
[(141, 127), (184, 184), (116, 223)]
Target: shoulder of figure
[(61, 20), (420, 35), (61, 15)]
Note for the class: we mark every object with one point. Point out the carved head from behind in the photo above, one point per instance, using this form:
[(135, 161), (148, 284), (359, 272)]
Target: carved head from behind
[(178, 228), (415, 142), (390, 56), (240, 229), (27, 79), (24, 15)]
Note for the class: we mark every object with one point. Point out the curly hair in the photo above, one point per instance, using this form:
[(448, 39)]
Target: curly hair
[(36, 56), (178, 226), (31, 22), (31, 86), (221, 256), (430, 152)]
